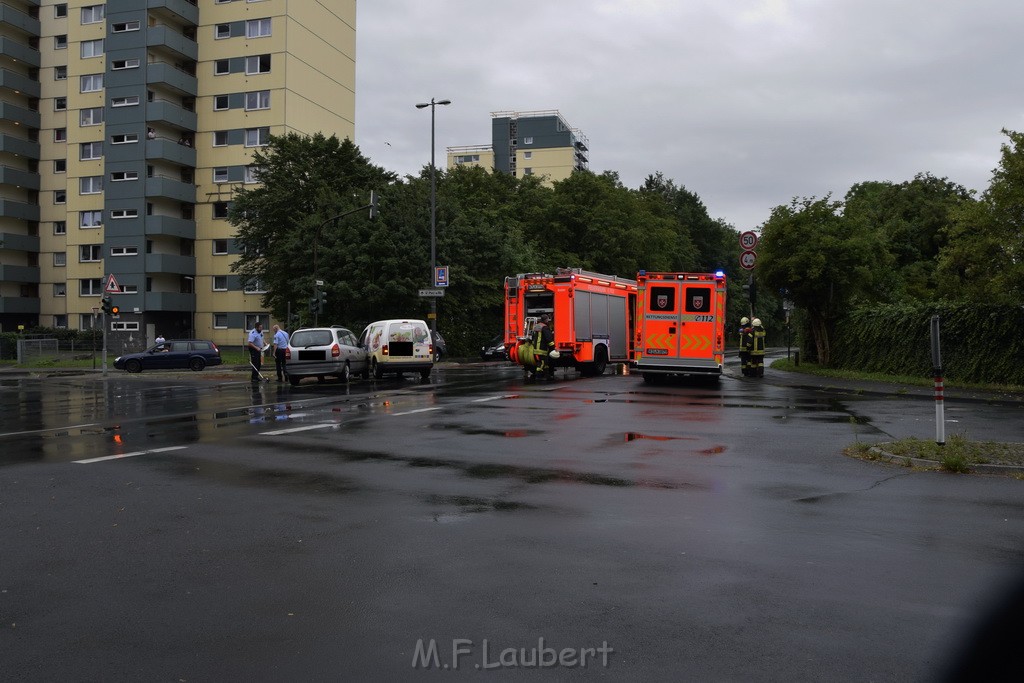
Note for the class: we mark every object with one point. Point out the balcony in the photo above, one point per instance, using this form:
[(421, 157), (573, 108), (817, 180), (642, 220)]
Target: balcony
[(19, 20), (22, 210), (13, 145), (184, 10), (170, 113), (169, 301), (19, 274), (16, 242), (171, 226), (159, 186), (22, 115), (170, 263), (169, 150), (18, 177), (20, 304), (17, 82), (19, 52), (172, 77), (168, 38)]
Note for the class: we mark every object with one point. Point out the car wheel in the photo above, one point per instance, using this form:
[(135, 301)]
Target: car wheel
[(346, 374), (196, 364), (133, 366), (378, 371), (294, 380)]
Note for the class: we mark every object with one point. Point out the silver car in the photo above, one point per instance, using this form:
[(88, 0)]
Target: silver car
[(322, 351)]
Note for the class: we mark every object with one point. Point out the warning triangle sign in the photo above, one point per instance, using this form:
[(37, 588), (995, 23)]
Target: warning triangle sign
[(112, 286)]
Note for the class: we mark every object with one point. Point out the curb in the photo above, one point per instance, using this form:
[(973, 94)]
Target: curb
[(906, 460)]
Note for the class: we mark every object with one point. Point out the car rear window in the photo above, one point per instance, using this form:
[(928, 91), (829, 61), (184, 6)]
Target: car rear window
[(408, 332), (304, 338), (201, 345)]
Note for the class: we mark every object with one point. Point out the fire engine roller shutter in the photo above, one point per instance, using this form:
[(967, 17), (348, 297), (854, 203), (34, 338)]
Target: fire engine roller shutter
[(601, 315)]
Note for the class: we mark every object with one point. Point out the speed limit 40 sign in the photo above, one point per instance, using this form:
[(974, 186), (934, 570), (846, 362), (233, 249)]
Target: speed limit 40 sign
[(747, 259), (748, 240)]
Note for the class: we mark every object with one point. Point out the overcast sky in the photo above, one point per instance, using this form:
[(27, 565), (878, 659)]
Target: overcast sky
[(747, 103)]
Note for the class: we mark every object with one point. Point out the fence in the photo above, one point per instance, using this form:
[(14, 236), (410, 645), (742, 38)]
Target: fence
[(36, 350)]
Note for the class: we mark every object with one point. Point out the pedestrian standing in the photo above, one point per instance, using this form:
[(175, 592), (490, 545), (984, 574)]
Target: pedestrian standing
[(255, 345), (160, 339), (757, 350), (744, 351), (280, 342)]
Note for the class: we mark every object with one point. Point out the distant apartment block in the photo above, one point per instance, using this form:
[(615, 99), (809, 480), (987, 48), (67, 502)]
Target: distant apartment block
[(127, 128), (538, 143)]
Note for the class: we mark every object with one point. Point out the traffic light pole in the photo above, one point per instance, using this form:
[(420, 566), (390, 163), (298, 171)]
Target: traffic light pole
[(319, 298), (103, 322)]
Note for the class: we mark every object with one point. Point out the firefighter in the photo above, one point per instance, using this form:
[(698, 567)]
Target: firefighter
[(543, 345), (757, 352), (744, 352)]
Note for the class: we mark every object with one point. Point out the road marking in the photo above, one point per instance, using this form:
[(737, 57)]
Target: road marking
[(306, 428), (51, 429), (129, 455), (489, 398), (420, 410)]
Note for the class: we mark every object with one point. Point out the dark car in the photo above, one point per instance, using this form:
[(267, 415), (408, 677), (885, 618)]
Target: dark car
[(440, 347), (494, 349), (173, 354)]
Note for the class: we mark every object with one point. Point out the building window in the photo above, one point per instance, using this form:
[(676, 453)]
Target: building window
[(122, 176), (257, 28), (120, 64), (124, 138), (90, 219), (90, 253), (125, 26), (220, 247), (220, 283), (255, 287), (220, 209), (60, 73), (222, 31), (528, 141), (257, 64), (119, 326), (92, 116), (60, 227), (220, 174), (90, 286), (220, 102), (60, 103), (124, 251), (60, 165), (527, 171), (60, 10), (252, 318), (90, 184), (92, 14), (90, 150), (220, 138), (221, 67), (60, 288), (129, 289), (92, 82), (257, 137), (252, 174), (92, 48), (130, 101), (117, 214), (60, 42), (60, 259), (527, 155), (259, 99), (60, 134), (60, 196), (220, 321)]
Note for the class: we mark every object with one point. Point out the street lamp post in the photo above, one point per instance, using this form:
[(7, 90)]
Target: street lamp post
[(433, 209)]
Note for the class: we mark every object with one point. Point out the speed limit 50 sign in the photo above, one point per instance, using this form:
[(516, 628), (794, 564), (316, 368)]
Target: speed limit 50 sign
[(748, 240)]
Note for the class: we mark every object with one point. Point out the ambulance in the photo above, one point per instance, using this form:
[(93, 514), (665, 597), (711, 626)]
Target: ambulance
[(592, 318), (680, 324)]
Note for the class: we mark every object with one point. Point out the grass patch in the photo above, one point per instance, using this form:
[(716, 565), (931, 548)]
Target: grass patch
[(228, 358), (958, 454), (913, 380)]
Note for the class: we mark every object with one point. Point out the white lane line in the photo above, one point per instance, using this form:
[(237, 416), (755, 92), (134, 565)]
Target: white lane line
[(488, 398), (130, 455), (50, 429), (420, 410), (306, 428)]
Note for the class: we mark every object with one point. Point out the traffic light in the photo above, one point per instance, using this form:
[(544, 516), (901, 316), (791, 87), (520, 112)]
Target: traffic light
[(321, 302), (107, 305), (751, 291), (115, 311), (313, 304), (373, 203)]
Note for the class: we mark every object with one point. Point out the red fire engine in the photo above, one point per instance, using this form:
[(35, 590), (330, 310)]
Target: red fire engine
[(592, 317), (680, 328)]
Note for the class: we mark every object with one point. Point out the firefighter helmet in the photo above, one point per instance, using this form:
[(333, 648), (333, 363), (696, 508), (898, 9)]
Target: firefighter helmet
[(744, 320), (554, 354), (756, 322), (545, 318)]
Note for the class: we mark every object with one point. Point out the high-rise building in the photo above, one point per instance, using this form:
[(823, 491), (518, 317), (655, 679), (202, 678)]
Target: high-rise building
[(127, 127), (526, 143)]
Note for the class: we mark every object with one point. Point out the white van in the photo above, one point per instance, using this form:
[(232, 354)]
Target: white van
[(398, 346)]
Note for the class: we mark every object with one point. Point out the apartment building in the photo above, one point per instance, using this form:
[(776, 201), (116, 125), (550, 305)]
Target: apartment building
[(526, 143), (128, 126)]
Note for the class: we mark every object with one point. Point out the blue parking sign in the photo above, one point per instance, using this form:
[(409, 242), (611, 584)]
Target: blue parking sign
[(441, 276)]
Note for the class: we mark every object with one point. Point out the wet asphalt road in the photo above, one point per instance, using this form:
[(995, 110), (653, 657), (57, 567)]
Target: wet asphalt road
[(181, 527)]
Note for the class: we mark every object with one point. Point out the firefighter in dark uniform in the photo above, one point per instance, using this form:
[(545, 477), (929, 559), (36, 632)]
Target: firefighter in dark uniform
[(543, 345), (757, 351), (744, 352)]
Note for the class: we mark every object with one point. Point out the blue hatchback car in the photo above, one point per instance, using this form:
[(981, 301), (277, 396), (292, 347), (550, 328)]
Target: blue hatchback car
[(173, 354)]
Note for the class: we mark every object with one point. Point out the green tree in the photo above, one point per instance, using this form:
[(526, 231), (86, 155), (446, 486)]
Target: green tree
[(983, 259), (823, 260)]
